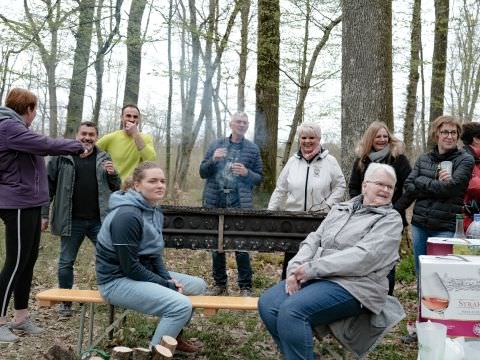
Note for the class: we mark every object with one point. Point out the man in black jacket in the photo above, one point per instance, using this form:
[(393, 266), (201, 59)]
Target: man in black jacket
[(438, 191)]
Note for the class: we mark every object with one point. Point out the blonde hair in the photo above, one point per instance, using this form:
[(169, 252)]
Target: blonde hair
[(365, 145), (138, 174), (442, 120)]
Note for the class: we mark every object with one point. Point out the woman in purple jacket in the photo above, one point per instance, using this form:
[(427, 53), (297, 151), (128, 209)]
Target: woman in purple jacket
[(23, 190)]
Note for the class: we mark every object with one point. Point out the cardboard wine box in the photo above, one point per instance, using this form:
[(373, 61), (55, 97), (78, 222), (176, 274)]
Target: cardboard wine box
[(450, 292)]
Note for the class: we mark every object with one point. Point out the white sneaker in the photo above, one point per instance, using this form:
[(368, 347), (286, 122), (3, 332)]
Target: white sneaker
[(6, 335)]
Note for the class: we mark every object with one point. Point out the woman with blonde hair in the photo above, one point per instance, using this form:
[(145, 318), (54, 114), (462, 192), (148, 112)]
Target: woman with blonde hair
[(379, 145)]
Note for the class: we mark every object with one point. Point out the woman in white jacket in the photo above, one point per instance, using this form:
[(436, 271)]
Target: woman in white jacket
[(310, 181)]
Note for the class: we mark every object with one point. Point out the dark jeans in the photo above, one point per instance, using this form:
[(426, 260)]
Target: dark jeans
[(70, 245), (22, 239), (290, 318), (243, 266)]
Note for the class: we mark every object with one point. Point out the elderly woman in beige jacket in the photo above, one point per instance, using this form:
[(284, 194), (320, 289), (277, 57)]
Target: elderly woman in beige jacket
[(310, 181), (340, 273)]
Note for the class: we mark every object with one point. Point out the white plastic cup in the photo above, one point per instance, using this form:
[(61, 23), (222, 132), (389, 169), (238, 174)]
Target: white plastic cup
[(446, 165), (431, 340)]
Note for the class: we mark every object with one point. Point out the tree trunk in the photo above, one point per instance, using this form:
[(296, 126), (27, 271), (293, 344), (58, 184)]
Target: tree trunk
[(439, 62), (102, 48), (208, 88), (242, 70), (183, 155), (366, 71), (187, 146), (168, 144), (305, 78), (267, 89), (134, 51), (411, 109), (80, 67)]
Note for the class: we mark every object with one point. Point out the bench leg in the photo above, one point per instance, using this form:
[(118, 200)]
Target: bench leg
[(80, 331), (111, 319), (90, 325)]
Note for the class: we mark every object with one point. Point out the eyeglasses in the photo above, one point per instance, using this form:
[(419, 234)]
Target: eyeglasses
[(445, 133), (382, 185)]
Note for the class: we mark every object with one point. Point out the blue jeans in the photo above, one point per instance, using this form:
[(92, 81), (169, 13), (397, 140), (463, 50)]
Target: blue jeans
[(244, 268), (290, 318), (69, 246), (420, 236), (175, 309)]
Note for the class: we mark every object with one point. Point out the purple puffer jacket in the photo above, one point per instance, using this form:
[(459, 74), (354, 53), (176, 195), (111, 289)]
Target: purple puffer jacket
[(23, 177)]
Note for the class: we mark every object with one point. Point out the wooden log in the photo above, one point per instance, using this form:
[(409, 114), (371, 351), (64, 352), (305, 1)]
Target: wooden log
[(169, 342), (141, 354), (60, 351), (95, 358), (121, 353), (160, 352)]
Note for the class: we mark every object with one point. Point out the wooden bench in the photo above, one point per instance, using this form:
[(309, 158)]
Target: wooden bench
[(209, 304)]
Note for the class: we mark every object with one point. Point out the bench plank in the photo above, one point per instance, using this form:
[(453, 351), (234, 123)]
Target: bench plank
[(51, 297)]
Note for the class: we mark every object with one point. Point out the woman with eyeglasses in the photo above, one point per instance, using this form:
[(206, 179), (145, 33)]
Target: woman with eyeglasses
[(337, 282), (471, 140), (437, 182), (310, 181)]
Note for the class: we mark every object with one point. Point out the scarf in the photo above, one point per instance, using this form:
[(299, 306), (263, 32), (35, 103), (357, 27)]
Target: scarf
[(309, 156), (380, 156)]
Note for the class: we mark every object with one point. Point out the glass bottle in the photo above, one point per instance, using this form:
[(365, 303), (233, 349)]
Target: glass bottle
[(459, 231), (473, 231)]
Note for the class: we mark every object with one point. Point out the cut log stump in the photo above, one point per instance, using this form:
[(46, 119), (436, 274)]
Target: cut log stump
[(121, 353), (141, 354), (169, 342), (160, 352)]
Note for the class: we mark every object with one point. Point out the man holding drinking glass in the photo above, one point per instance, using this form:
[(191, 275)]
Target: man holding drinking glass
[(231, 167)]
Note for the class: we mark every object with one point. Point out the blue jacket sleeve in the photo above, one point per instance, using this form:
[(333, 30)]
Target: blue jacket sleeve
[(126, 232)]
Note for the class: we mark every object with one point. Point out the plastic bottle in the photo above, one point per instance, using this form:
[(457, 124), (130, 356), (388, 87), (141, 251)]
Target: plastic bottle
[(473, 231), (459, 232)]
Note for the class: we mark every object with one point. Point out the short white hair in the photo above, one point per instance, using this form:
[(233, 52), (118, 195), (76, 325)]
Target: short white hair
[(310, 128), (374, 168), (239, 115)]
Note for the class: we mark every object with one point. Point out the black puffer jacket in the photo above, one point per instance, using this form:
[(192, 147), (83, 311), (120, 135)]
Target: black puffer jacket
[(437, 201)]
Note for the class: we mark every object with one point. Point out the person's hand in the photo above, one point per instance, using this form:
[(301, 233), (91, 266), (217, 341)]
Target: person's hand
[(219, 154), (443, 175), (44, 225), (291, 285), (87, 149), (239, 169), (131, 128), (300, 274), (179, 286), (108, 166)]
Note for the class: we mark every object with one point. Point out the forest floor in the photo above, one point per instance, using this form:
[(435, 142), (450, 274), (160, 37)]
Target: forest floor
[(227, 335)]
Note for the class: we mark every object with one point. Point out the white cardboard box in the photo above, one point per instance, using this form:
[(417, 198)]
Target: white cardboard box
[(450, 292)]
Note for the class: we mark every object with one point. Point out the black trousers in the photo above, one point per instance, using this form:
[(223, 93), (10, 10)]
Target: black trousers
[(22, 239)]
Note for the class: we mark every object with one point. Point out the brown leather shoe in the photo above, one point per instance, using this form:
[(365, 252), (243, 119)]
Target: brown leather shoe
[(186, 346)]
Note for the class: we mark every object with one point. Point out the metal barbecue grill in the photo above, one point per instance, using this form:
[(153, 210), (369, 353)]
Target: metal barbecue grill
[(237, 229)]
